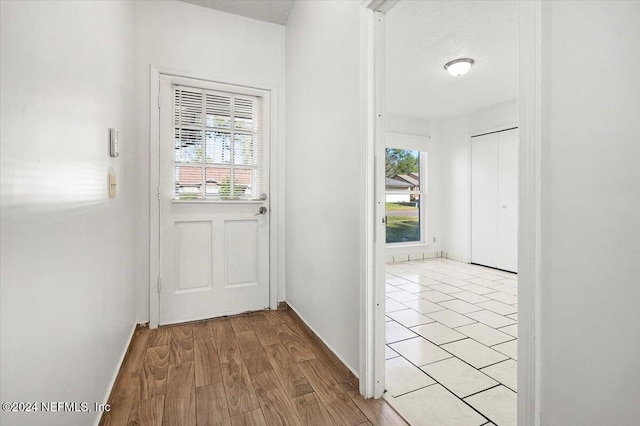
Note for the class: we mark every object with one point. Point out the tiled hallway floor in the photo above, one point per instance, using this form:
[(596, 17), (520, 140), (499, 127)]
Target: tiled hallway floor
[(451, 336)]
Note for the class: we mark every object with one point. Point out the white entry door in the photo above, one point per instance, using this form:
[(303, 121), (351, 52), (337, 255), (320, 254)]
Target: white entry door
[(214, 208)]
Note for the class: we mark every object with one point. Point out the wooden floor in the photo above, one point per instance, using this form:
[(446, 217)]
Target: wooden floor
[(263, 368)]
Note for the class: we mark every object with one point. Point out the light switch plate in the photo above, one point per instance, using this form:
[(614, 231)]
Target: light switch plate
[(112, 185)]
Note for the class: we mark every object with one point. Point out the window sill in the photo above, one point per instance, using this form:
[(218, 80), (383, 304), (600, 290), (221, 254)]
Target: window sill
[(408, 244), (218, 201)]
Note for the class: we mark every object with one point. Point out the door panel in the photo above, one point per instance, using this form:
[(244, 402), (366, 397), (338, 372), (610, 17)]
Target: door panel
[(508, 200), (193, 254), (484, 198), (214, 254), (241, 246)]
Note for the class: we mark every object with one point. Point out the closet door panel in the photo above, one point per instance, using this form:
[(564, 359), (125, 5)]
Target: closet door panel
[(508, 200), (484, 198)]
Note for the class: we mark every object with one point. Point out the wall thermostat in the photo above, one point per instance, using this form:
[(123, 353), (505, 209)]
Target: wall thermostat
[(114, 137)]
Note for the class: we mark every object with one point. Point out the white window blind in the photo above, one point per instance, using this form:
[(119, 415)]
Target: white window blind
[(218, 145)]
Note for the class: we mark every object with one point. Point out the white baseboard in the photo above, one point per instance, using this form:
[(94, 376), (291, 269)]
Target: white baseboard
[(115, 374), (456, 257), (433, 255), (346, 364), (405, 257)]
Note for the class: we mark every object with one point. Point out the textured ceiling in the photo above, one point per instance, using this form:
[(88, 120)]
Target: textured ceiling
[(424, 35), (275, 11)]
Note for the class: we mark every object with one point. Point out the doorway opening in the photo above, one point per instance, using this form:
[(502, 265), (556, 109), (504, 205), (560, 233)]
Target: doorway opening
[(451, 316)]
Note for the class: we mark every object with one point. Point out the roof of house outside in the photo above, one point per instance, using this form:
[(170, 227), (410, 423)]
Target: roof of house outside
[(189, 175), (405, 181), (397, 183), (192, 175), (412, 178)]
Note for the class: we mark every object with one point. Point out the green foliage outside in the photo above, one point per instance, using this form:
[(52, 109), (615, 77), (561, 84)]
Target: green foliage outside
[(225, 188), (401, 162), (403, 229), (400, 206), (188, 196)]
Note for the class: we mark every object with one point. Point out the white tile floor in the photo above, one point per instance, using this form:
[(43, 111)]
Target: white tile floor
[(451, 335)]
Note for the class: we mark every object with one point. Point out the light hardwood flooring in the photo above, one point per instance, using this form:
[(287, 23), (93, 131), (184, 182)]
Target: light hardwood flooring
[(262, 368)]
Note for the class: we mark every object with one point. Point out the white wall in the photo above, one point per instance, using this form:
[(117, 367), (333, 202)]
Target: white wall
[(67, 269), (408, 125), (496, 117), (397, 125), (454, 137), (325, 175), (590, 199), (202, 43)]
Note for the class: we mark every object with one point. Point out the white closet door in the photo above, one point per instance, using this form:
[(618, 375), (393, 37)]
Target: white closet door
[(508, 200), (484, 198)]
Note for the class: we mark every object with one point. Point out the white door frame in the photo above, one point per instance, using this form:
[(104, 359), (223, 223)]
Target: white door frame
[(372, 125), (529, 225), (372, 299), (276, 234)]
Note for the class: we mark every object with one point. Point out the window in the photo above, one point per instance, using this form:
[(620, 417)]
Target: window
[(218, 145), (405, 195)]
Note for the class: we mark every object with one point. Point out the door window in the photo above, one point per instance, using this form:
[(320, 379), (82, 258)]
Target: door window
[(218, 145)]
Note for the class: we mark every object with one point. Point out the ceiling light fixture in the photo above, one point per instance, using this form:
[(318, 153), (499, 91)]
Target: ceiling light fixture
[(458, 67)]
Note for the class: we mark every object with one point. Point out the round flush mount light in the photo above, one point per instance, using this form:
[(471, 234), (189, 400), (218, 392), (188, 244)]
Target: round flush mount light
[(458, 67)]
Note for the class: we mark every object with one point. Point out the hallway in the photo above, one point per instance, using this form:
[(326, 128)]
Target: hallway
[(457, 323), (261, 368), (80, 270)]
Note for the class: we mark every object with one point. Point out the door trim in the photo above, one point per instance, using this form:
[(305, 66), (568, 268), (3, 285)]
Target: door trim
[(371, 307), (276, 187), (529, 224), (373, 134)]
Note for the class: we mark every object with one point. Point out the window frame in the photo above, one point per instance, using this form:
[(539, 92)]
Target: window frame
[(422, 193)]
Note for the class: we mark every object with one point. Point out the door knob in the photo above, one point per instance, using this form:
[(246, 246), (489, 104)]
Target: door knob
[(262, 210)]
